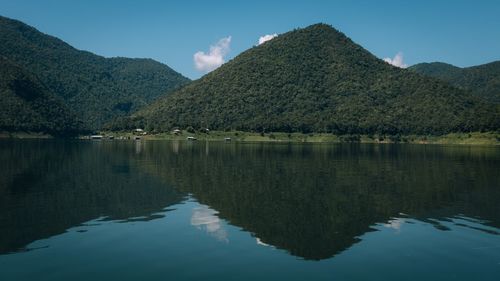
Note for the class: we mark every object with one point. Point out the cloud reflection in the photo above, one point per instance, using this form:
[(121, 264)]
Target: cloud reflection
[(395, 224), (259, 242), (206, 219)]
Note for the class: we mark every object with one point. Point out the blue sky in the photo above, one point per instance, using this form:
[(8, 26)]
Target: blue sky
[(462, 33)]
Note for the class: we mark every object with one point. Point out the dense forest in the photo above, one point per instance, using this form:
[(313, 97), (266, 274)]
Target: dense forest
[(96, 88), (316, 80), (307, 80), (27, 105), (482, 80)]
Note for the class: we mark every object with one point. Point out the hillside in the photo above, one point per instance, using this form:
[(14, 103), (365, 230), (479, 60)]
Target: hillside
[(482, 80), (28, 106), (96, 88), (316, 80)]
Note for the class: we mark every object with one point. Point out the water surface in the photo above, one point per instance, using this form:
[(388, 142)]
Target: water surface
[(122, 210)]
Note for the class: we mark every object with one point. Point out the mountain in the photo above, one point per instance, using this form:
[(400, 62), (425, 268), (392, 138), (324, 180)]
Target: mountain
[(316, 80), (98, 89), (482, 80), (27, 105)]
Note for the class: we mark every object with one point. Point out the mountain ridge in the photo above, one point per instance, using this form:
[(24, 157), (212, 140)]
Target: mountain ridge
[(316, 79), (97, 88), (482, 80)]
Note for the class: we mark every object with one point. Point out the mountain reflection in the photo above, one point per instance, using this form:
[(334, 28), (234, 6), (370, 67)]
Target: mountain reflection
[(316, 200), (313, 201), (50, 186)]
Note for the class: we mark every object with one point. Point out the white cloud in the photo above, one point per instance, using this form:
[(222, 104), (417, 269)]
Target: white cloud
[(214, 58), (266, 38), (397, 60)]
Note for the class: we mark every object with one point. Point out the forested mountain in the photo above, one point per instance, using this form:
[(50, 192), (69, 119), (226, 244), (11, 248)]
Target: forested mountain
[(27, 105), (96, 88), (317, 80), (482, 80)]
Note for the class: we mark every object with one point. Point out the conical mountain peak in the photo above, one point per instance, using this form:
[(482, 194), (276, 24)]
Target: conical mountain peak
[(316, 79)]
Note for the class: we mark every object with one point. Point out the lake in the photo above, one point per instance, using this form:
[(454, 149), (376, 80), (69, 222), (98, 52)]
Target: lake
[(158, 210)]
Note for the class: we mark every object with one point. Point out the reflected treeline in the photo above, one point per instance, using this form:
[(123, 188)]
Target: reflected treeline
[(316, 200), (48, 186), (312, 200)]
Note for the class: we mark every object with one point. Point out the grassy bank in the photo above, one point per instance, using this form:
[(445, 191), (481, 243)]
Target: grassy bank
[(476, 138)]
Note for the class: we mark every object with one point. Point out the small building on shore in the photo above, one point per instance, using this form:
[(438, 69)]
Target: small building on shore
[(139, 132)]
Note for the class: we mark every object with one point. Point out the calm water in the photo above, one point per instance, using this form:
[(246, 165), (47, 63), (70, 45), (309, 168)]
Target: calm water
[(111, 210)]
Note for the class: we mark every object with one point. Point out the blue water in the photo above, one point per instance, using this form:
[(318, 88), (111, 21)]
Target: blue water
[(212, 211)]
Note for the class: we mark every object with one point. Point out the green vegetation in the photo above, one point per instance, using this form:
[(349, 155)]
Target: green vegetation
[(98, 89), (28, 106), (312, 80), (482, 80), (316, 80), (475, 138)]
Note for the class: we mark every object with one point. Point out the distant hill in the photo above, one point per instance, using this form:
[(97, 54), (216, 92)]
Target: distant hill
[(482, 80), (27, 105), (96, 88), (316, 80)]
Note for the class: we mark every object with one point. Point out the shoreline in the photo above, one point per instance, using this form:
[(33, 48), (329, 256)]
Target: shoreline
[(475, 138)]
